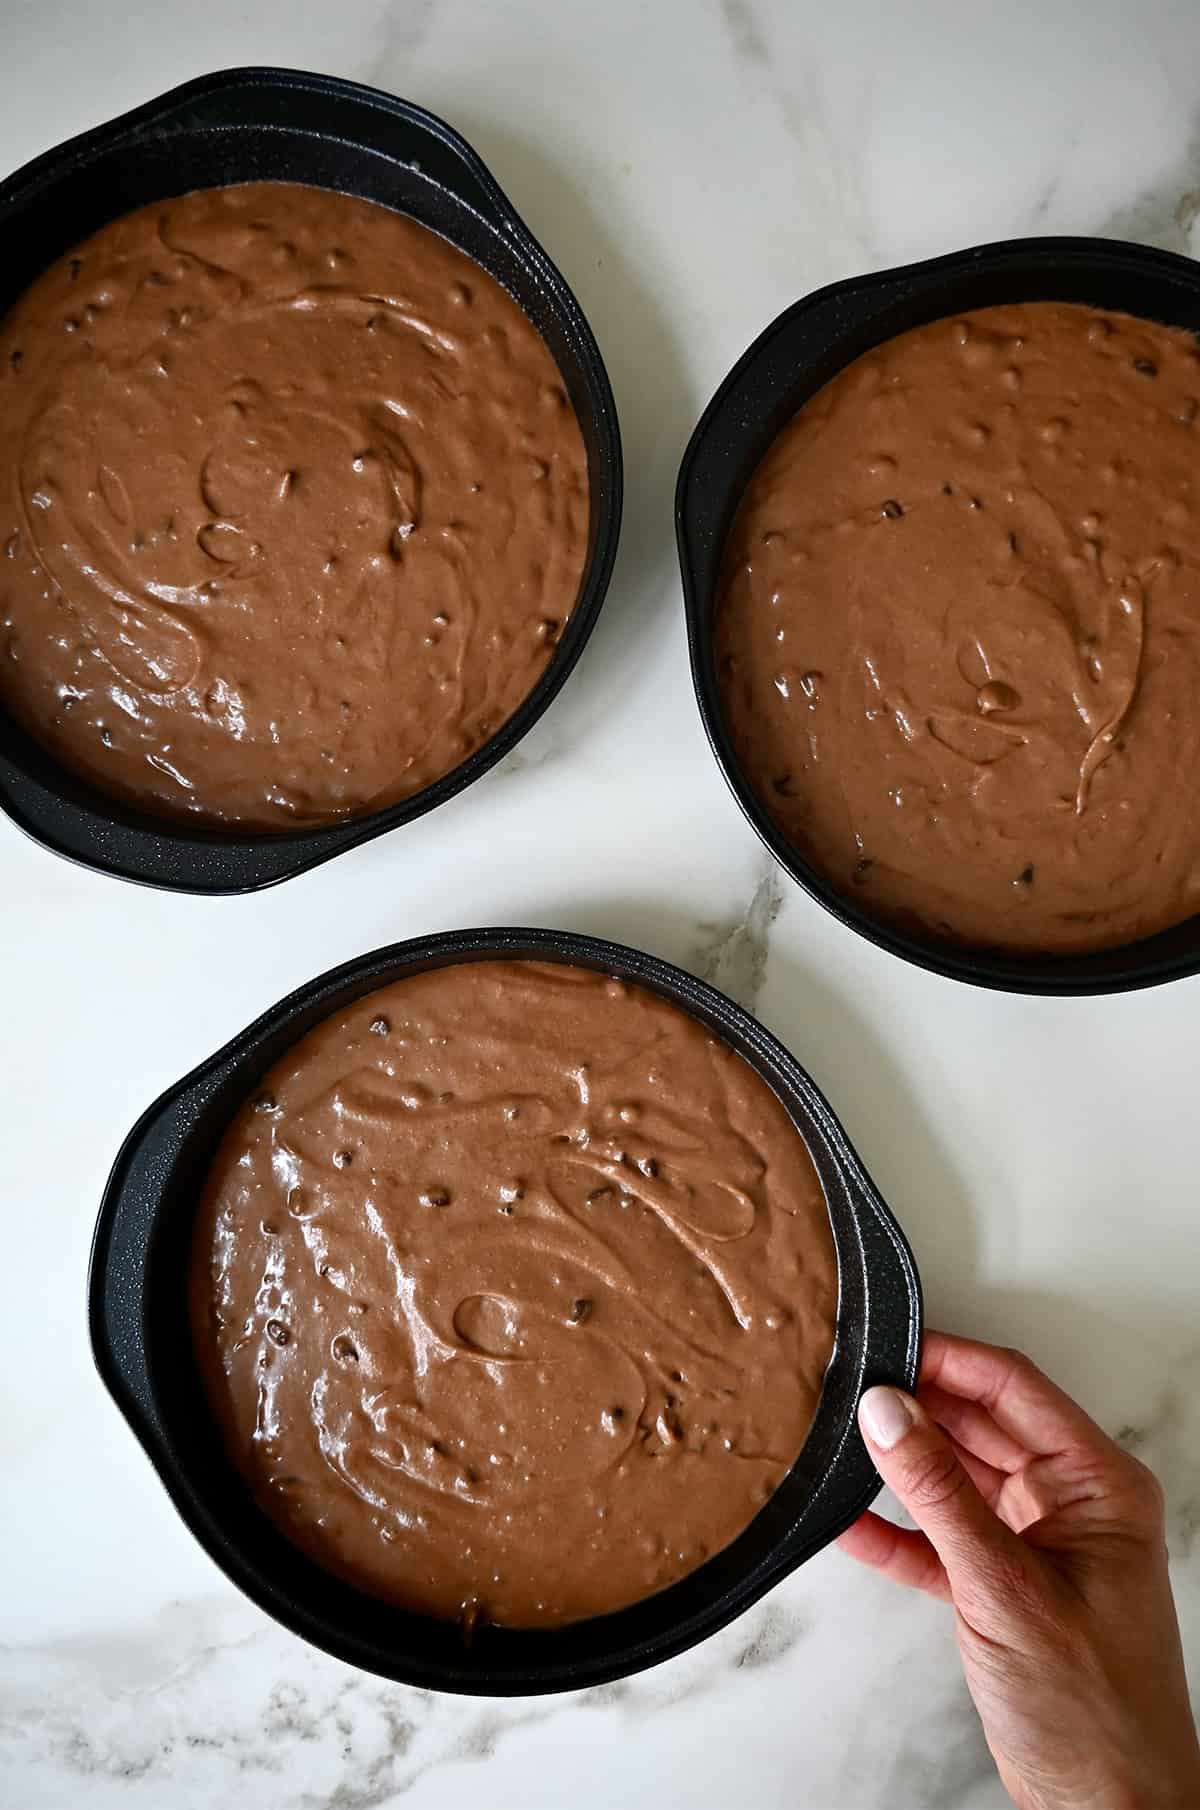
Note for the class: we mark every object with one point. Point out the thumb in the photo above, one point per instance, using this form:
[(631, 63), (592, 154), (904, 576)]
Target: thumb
[(984, 1559)]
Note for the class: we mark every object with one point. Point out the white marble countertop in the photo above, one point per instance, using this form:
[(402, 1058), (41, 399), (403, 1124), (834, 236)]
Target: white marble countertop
[(693, 168)]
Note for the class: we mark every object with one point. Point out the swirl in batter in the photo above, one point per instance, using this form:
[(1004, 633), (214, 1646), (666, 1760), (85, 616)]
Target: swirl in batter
[(293, 507), (513, 1290), (959, 630)]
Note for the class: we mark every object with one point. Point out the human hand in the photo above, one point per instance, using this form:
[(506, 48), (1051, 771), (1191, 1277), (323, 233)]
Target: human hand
[(1048, 1541)]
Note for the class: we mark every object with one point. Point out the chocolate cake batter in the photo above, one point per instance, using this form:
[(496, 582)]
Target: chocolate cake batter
[(959, 632), (293, 507), (513, 1290)]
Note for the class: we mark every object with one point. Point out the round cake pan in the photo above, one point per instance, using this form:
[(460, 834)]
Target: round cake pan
[(279, 125), (797, 354), (138, 1324)]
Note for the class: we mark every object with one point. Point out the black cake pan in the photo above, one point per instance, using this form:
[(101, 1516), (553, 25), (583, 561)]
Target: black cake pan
[(798, 353), (139, 1333), (280, 125)]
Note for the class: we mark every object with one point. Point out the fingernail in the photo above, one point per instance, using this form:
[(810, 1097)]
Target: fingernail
[(885, 1416)]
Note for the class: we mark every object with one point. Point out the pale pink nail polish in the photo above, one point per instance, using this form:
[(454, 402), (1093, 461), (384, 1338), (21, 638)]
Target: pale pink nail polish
[(885, 1416)]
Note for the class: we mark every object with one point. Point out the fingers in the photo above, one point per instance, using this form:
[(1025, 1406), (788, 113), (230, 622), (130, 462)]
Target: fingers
[(986, 1478), (972, 1428), (1021, 1400), (983, 1559), (1080, 1493), (904, 1556), (1001, 1408)]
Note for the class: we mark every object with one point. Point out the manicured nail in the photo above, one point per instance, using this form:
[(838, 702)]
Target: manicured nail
[(885, 1416)]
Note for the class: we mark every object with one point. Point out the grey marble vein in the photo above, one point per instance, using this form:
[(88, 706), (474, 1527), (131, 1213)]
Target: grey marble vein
[(1051, 187), (745, 33), (732, 954), (537, 748), (402, 29), (212, 1690), (940, 1760), (797, 87), (928, 1752), (776, 1632), (1164, 213), (1167, 1438)]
